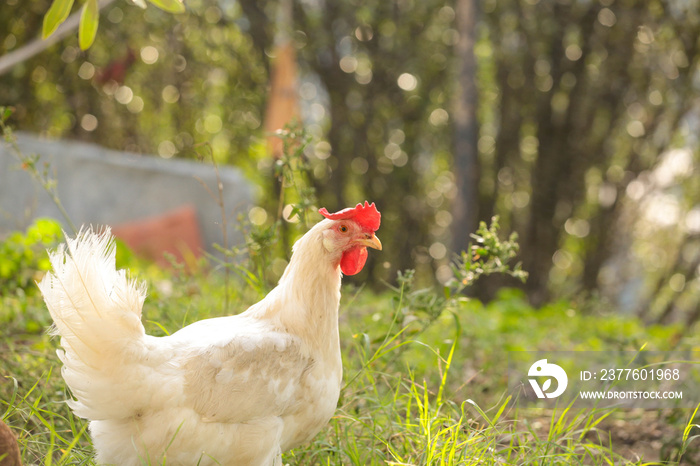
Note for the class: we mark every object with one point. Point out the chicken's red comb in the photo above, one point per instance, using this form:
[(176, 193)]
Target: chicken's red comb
[(366, 215)]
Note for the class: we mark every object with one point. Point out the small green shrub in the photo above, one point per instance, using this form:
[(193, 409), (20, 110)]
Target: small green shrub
[(23, 257)]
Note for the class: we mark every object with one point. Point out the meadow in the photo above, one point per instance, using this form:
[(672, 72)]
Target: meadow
[(424, 369)]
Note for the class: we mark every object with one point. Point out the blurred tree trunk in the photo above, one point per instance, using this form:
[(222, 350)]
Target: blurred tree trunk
[(465, 209)]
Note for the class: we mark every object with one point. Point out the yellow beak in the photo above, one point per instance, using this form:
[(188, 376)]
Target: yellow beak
[(371, 241)]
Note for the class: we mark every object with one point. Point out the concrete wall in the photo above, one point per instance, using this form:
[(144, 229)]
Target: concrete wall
[(103, 186)]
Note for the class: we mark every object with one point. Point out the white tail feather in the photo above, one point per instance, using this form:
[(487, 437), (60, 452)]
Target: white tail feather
[(97, 312)]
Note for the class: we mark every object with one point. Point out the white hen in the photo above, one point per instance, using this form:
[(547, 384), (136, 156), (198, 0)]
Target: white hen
[(236, 390)]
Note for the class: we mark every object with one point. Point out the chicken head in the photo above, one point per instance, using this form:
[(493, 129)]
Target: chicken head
[(349, 234)]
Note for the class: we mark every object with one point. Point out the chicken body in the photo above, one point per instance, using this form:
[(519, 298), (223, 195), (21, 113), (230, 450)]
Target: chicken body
[(236, 390)]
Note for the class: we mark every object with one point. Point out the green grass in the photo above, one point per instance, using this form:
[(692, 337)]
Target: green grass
[(424, 379)]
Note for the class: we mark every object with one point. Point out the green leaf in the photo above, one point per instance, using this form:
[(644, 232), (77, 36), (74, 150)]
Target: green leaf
[(89, 20), (171, 6), (6, 113), (57, 14)]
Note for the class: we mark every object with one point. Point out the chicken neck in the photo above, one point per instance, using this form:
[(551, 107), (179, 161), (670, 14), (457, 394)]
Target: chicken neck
[(306, 300)]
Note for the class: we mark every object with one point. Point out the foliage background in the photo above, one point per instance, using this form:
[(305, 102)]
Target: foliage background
[(578, 105)]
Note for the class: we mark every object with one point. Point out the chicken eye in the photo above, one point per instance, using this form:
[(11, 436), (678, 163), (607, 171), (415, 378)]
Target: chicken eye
[(343, 228)]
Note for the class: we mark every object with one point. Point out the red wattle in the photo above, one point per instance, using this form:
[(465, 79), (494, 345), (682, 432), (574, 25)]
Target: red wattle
[(353, 260)]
